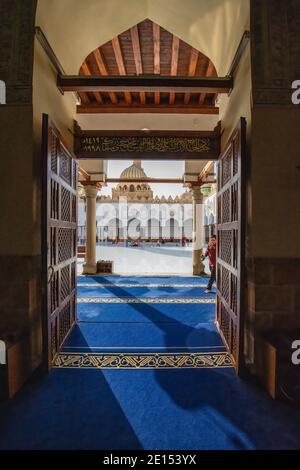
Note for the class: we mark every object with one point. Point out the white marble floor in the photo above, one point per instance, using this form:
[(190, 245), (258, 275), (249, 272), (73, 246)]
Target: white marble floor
[(147, 260)]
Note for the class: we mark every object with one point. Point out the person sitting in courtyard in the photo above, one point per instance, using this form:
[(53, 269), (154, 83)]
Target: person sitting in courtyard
[(211, 253)]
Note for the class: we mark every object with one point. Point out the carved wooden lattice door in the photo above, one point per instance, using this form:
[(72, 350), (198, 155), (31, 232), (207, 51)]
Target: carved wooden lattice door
[(59, 240), (231, 239)]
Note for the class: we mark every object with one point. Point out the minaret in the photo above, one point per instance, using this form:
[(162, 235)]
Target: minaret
[(137, 163)]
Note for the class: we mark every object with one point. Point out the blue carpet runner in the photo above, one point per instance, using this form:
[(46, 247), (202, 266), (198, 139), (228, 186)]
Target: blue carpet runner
[(144, 323), (145, 375)]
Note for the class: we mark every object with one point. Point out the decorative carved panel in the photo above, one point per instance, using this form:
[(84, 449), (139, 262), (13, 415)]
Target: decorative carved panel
[(64, 322), (64, 282), (154, 144), (53, 149), (17, 45), (54, 214), (65, 244), (225, 244), (65, 165), (54, 292), (53, 246), (65, 204), (226, 213), (226, 284), (226, 168), (60, 203), (230, 246), (275, 50)]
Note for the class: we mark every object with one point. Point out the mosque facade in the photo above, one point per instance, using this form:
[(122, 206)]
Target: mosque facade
[(133, 212)]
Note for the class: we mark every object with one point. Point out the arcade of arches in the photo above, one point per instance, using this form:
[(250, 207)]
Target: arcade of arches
[(159, 218), (100, 38)]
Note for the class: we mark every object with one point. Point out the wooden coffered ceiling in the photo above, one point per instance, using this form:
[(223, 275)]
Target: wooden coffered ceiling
[(147, 50)]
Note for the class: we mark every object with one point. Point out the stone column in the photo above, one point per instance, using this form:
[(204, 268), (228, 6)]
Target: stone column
[(198, 230), (160, 227), (123, 217), (90, 265), (182, 221)]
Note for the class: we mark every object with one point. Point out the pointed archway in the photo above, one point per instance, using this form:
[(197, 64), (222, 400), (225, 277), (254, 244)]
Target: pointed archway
[(146, 49)]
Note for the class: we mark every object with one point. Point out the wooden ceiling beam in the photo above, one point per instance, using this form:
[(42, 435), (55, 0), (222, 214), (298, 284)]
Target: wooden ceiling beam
[(86, 70), (156, 47), (103, 71), (152, 83), (121, 66), (208, 73), (84, 174), (174, 64), (205, 172), (192, 70), (84, 98), (138, 58), (148, 108)]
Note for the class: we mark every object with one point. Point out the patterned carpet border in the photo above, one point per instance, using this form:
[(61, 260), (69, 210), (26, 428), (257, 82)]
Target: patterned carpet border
[(143, 300), (206, 360), (139, 285)]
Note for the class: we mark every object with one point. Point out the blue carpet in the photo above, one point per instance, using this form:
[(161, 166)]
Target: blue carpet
[(141, 335), (152, 409), (143, 325), (165, 292), (142, 280), (192, 314), (139, 325), (169, 409)]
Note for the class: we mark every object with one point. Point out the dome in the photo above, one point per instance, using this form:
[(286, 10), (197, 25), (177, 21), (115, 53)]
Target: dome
[(133, 184), (134, 172)]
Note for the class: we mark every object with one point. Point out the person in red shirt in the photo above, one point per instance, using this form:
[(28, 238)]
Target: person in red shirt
[(211, 253)]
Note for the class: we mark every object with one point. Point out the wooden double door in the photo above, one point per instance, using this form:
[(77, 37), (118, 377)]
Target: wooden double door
[(59, 240), (231, 243)]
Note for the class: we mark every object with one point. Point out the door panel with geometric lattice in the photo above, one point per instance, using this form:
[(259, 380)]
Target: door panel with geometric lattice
[(59, 238), (230, 242)]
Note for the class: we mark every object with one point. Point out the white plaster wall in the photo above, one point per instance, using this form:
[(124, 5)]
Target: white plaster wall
[(75, 28), (238, 104), (186, 122), (48, 99)]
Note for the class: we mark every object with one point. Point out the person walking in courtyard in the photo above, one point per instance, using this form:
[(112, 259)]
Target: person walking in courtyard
[(211, 253)]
